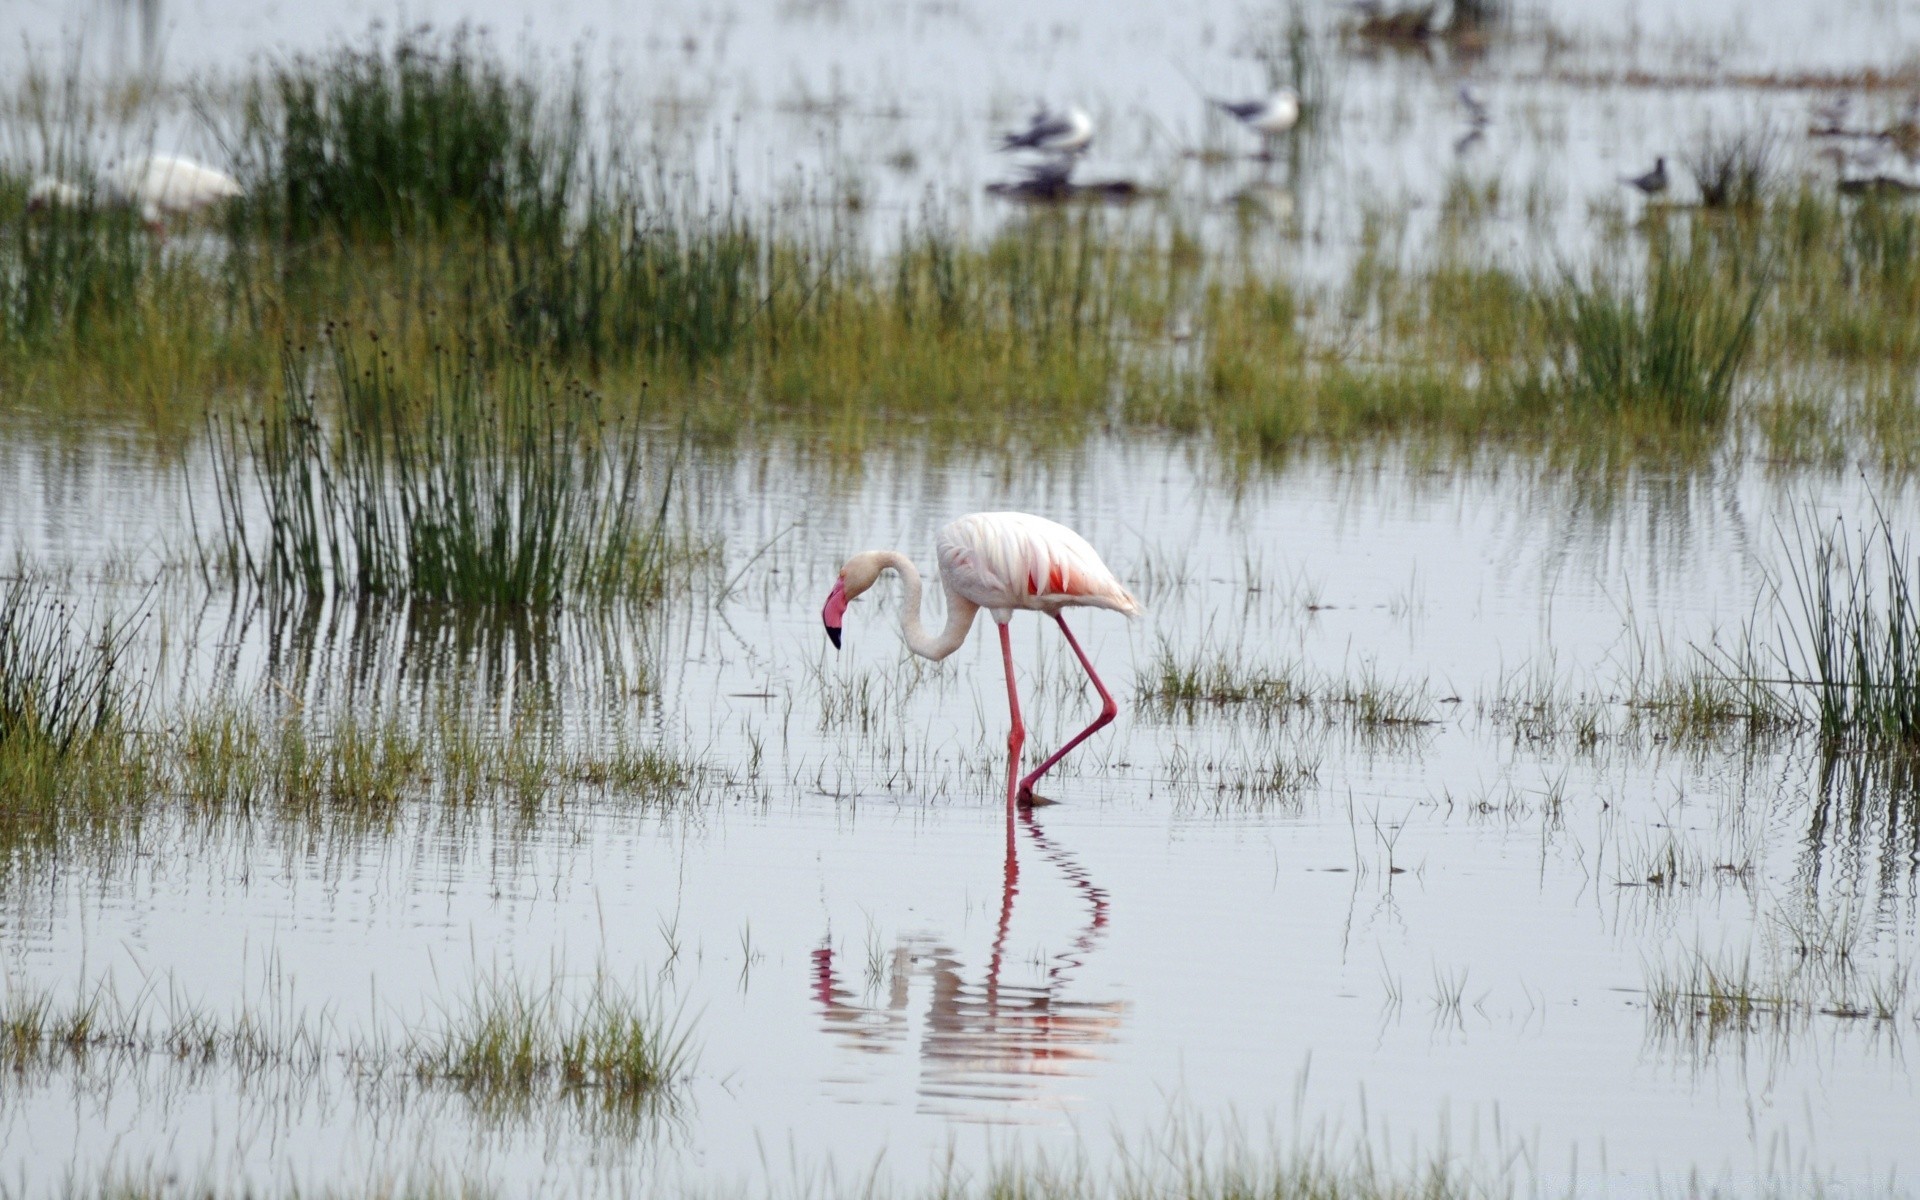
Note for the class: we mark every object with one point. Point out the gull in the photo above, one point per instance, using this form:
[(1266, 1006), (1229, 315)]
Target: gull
[(1268, 116), (1050, 133), (1653, 182)]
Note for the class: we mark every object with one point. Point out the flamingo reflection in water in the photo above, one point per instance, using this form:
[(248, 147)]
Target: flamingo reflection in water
[(992, 1041)]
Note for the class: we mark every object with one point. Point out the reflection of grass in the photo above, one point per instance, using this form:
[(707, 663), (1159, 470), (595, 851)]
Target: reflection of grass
[(1810, 971)]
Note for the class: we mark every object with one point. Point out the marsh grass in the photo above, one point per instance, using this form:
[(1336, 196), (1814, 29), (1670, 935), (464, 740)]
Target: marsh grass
[(1709, 704), (1853, 655), (420, 185), (337, 775), (514, 1044), (63, 680), (428, 135), (469, 486), (1799, 975), (1670, 350), (1734, 170), (1172, 687)]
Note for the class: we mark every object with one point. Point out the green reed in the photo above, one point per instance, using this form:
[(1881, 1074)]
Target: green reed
[(1856, 639), (431, 134), (619, 287), (61, 684), (1734, 169), (1670, 349), (456, 484), (67, 273), (515, 1043)]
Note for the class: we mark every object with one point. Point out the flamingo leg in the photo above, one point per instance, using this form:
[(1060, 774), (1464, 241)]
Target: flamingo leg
[(1107, 710), (1017, 736)]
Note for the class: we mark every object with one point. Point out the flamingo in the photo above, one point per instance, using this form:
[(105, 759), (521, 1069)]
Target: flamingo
[(999, 561), (155, 185)]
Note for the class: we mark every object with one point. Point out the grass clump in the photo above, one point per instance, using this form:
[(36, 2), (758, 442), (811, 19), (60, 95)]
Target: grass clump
[(1670, 350), (1734, 170), (431, 135), (1171, 686), (514, 1045), (57, 692), (1176, 686), (1856, 642), (462, 486)]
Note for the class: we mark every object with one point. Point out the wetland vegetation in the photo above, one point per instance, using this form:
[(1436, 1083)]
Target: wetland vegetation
[(483, 456)]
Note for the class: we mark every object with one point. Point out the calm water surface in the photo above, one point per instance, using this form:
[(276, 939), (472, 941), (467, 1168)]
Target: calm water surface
[(1439, 940)]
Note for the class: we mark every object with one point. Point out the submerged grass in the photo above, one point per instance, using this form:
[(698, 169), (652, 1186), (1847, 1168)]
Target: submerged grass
[(345, 775), (1172, 687)]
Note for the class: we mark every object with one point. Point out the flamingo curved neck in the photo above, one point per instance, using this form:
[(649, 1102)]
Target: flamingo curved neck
[(960, 613)]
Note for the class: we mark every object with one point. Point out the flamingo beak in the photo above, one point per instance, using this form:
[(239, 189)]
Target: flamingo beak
[(835, 611)]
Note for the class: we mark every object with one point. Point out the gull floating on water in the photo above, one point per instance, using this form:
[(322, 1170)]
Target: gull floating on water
[(1653, 182), (156, 186), (1070, 132), (1268, 116)]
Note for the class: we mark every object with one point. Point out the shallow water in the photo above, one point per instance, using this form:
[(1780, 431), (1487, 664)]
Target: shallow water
[(893, 111), (1441, 938)]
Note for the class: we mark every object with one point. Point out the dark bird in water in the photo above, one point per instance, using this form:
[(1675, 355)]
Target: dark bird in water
[(1653, 182)]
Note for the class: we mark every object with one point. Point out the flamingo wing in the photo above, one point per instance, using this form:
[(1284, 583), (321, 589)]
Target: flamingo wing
[(1004, 561)]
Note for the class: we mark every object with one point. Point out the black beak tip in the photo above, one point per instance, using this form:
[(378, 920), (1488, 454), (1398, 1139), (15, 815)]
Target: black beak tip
[(833, 635)]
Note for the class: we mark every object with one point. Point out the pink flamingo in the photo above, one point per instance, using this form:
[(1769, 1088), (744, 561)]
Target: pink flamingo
[(997, 561)]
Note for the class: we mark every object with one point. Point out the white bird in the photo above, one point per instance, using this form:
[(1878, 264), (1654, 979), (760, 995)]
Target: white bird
[(1270, 116), (1050, 133), (48, 192), (162, 185), (999, 561), (157, 186)]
